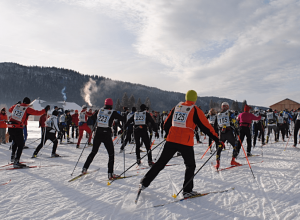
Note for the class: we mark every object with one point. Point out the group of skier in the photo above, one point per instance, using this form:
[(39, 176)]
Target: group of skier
[(179, 127)]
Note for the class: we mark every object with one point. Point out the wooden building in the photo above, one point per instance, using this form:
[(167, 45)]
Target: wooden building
[(285, 104)]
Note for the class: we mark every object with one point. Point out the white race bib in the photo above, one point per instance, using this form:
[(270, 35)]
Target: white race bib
[(103, 117), (212, 119), (140, 118), (280, 119), (298, 116), (62, 118), (82, 117), (270, 116), (180, 115), (223, 119), (18, 112)]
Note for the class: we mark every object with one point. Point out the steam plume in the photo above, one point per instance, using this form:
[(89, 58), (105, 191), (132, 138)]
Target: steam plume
[(89, 88)]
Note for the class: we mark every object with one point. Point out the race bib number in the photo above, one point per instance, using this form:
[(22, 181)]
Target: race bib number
[(18, 113), (180, 115), (140, 118), (82, 117), (103, 118), (212, 119), (270, 116), (223, 119), (280, 120)]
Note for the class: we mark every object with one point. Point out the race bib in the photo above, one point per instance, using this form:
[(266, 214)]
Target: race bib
[(140, 118), (212, 119), (82, 117), (103, 118), (18, 113), (165, 117), (270, 116), (223, 119), (48, 123), (298, 116), (180, 115), (280, 120), (129, 116), (62, 119)]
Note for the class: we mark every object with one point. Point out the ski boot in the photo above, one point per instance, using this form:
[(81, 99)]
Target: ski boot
[(138, 161), (77, 145), (17, 164), (267, 140), (12, 158), (112, 176), (90, 144), (54, 155), (150, 163), (190, 194), (84, 170), (34, 155), (249, 154), (234, 163)]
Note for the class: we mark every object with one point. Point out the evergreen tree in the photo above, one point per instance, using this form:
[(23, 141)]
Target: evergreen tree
[(118, 105), (138, 104), (131, 102), (148, 103), (125, 101)]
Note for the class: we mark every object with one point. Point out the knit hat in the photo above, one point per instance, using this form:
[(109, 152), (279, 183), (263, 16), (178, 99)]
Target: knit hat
[(133, 109), (26, 100), (191, 95), (143, 107), (55, 113)]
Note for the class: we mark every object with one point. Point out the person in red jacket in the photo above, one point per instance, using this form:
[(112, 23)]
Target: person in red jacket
[(179, 127), (3, 125), (245, 120), (18, 120), (75, 121), (83, 117)]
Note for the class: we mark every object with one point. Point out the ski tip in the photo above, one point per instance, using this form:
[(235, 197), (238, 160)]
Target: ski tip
[(108, 183), (174, 196)]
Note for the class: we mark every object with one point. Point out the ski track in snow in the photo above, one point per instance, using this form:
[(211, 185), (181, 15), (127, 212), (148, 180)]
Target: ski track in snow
[(45, 193)]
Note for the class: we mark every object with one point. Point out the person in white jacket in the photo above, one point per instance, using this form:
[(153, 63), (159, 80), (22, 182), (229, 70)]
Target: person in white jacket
[(51, 129)]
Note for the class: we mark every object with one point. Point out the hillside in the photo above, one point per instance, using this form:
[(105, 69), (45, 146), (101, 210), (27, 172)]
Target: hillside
[(47, 83)]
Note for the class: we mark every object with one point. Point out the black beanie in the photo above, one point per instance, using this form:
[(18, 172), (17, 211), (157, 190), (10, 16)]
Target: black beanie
[(143, 107), (133, 109), (55, 113), (26, 100)]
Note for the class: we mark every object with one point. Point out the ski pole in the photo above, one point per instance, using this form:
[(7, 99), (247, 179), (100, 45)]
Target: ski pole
[(246, 156), (132, 149), (124, 161), (34, 141), (207, 149), (81, 152), (109, 183), (287, 143), (175, 196)]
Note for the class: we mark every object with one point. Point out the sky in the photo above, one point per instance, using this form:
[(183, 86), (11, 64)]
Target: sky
[(238, 49)]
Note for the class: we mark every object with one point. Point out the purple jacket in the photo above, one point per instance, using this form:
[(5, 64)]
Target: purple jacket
[(245, 119)]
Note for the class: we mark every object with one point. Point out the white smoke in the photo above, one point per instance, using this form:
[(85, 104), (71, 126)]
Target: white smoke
[(89, 88)]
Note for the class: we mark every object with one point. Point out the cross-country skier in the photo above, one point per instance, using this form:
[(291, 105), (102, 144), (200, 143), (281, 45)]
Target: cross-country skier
[(129, 130), (104, 119), (296, 120), (259, 126), (75, 121), (227, 129), (179, 127), (212, 119), (20, 113), (140, 120), (83, 116), (3, 125), (272, 124), (245, 120), (50, 134)]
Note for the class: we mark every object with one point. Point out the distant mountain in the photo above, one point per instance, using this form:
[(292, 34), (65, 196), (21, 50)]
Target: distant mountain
[(47, 83)]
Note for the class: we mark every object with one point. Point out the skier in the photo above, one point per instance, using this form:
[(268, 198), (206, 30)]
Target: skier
[(62, 126), (259, 126), (3, 125), (50, 134), (296, 120), (141, 119), (245, 120), (227, 129), (104, 119), (281, 126), (83, 116), (129, 130), (271, 124), (75, 121), (179, 127), (163, 117), (212, 119), (20, 113), (68, 122)]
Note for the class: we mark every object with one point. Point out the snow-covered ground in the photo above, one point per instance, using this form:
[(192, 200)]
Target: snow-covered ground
[(45, 193)]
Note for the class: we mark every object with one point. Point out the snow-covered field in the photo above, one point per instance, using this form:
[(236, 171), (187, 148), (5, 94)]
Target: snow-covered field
[(45, 193)]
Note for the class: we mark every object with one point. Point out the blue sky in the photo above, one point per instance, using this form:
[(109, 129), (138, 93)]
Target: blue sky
[(234, 49)]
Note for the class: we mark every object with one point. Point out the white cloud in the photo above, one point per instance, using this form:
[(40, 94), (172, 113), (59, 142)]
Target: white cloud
[(236, 49)]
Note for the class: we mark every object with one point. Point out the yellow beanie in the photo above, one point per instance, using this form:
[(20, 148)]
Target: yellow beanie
[(191, 95)]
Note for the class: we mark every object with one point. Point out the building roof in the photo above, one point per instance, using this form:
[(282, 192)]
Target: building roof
[(41, 104), (286, 100)]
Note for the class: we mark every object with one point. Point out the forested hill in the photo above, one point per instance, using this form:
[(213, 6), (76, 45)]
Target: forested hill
[(47, 83)]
